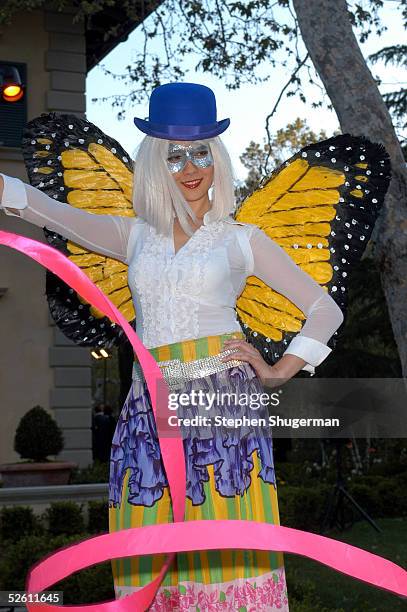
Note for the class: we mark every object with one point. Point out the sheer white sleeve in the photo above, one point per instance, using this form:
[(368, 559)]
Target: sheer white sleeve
[(105, 234), (323, 316)]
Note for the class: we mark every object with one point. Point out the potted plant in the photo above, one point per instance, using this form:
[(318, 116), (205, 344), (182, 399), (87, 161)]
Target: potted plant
[(36, 437)]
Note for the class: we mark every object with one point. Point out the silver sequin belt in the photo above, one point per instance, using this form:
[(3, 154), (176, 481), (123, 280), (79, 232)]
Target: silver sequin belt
[(177, 372)]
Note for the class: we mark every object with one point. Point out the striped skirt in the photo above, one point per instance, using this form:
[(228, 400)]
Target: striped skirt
[(229, 476)]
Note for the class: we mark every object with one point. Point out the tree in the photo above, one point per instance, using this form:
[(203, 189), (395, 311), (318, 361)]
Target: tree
[(259, 159), (396, 101), (366, 347), (327, 33)]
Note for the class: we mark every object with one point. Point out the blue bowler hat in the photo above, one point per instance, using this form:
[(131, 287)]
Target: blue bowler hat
[(182, 111)]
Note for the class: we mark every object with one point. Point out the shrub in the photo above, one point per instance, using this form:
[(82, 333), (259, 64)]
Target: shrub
[(393, 497), (303, 507), (38, 436), (367, 497), (98, 472), (64, 517), (18, 521), (90, 585), (17, 558), (98, 514), (401, 478)]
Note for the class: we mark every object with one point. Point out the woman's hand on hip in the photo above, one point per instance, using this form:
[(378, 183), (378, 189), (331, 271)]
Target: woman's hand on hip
[(244, 351)]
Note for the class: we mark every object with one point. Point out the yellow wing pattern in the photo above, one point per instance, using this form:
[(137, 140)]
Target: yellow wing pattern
[(71, 159), (320, 207), (100, 183)]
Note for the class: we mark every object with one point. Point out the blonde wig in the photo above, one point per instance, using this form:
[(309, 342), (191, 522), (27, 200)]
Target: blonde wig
[(156, 196)]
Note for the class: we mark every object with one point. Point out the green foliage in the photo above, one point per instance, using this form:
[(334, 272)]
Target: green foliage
[(368, 497), (393, 496), (257, 158), (231, 40), (383, 497), (366, 347), (85, 8), (234, 41), (9, 8), (60, 518), (396, 101), (91, 585), (17, 522), (300, 507), (394, 54), (304, 484), (238, 42), (24, 542), (98, 517), (303, 507), (16, 559), (38, 436), (366, 17), (98, 472), (64, 517), (364, 461), (88, 586)]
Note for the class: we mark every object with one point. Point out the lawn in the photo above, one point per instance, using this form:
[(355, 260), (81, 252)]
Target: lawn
[(336, 592)]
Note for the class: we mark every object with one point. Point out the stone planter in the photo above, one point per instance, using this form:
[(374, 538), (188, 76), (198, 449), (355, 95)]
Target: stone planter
[(36, 474)]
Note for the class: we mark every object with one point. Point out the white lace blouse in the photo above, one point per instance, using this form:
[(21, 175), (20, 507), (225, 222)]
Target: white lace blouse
[(191, 293)]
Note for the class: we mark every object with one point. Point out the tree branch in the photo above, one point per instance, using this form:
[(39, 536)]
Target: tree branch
[(270, 115)]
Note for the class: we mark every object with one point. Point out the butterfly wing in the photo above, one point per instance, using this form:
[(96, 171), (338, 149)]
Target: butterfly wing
[(72, 160), (320, 206)]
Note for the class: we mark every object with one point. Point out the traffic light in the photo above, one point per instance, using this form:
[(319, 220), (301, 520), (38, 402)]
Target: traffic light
[(13, 103), (12, 88)]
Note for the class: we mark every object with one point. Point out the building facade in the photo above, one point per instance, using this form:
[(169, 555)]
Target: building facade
[(38, 364)]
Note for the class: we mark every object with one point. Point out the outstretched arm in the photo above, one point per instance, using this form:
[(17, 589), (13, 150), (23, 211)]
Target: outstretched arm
[(105, 234)]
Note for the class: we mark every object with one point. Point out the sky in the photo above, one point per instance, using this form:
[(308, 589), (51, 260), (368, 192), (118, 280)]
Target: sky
[(246, 107)]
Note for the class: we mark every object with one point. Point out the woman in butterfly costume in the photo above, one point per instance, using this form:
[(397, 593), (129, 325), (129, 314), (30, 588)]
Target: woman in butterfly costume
[(224, 300)]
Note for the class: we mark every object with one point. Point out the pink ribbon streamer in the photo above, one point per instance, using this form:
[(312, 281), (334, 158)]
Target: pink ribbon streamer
[(171, 448), (178, 536)]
